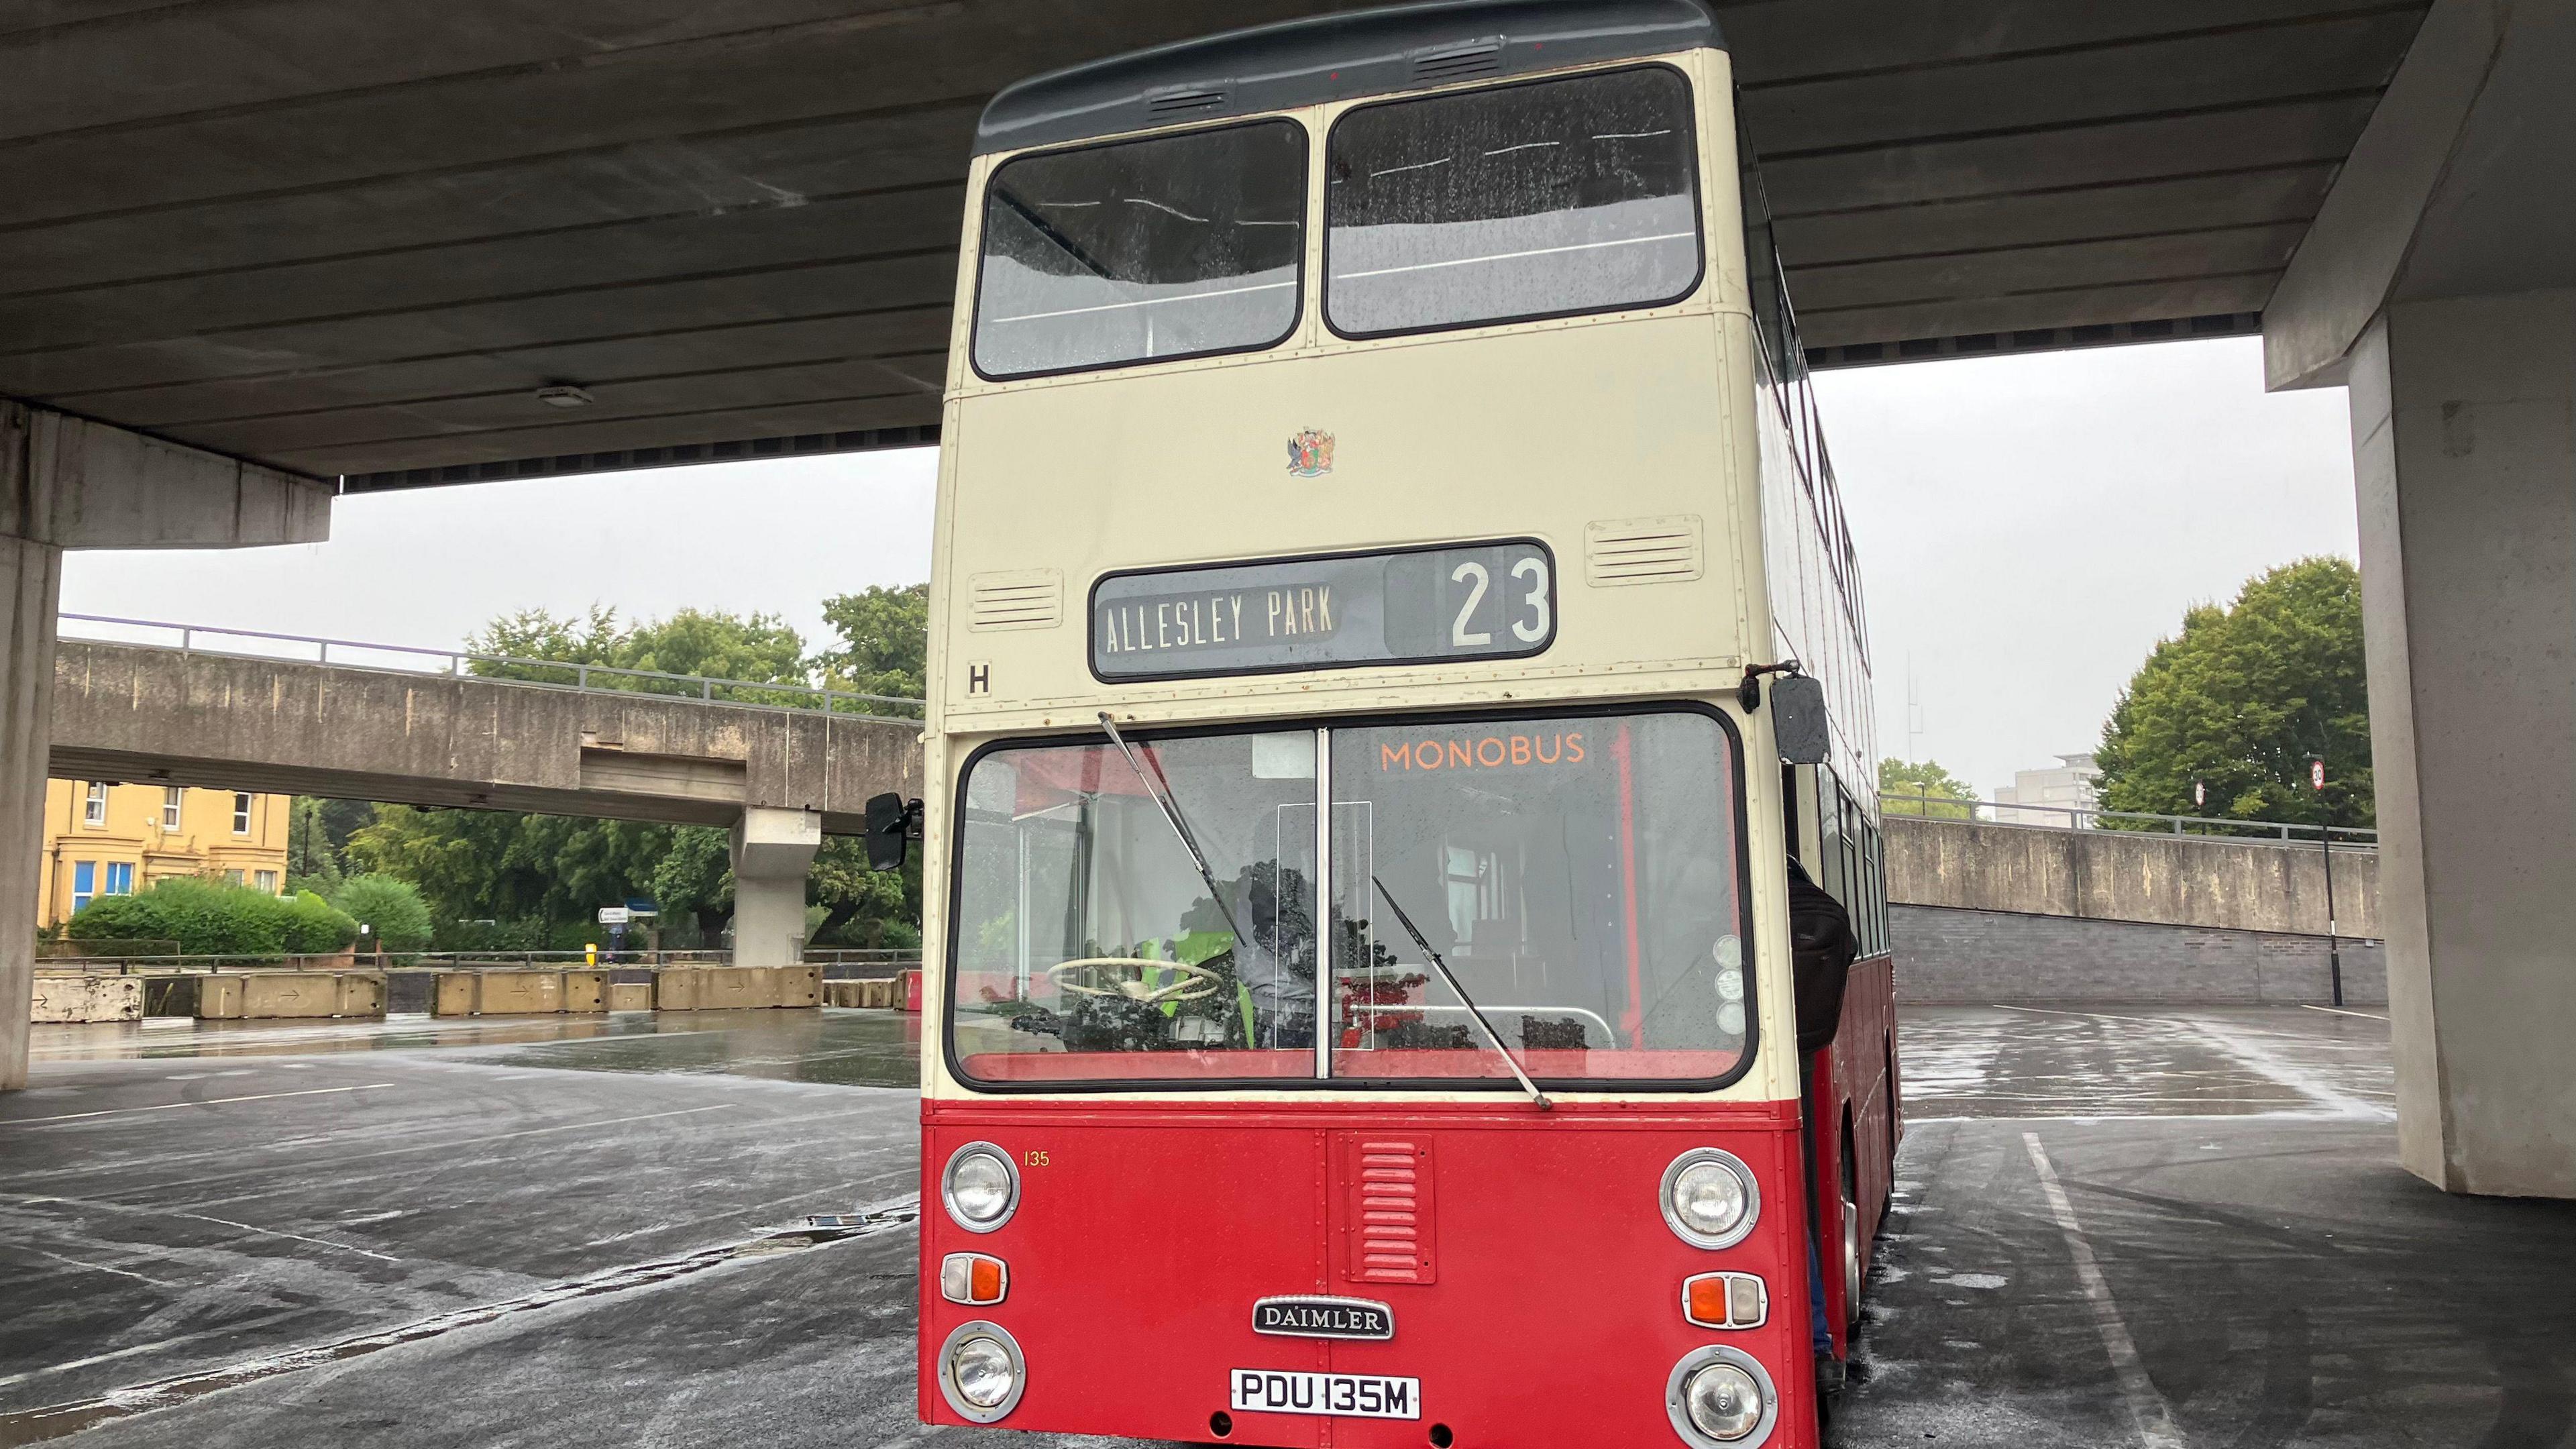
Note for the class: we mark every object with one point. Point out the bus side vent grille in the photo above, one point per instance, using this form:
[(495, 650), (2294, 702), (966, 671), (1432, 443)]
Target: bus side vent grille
[(1642, 551), (1175, 102), (1031, 600), (1390, 1219), (1458, 62)]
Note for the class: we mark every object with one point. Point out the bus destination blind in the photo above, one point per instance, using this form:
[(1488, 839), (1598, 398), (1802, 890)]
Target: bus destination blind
[(1407, 606)]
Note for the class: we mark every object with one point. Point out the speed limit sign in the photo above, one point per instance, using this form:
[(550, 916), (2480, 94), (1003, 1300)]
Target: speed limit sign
[(2316, 774)]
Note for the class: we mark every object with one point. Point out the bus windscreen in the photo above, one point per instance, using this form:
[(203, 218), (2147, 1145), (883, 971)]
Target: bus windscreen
[(1174, 246), (1579, 873), (1514, 202)]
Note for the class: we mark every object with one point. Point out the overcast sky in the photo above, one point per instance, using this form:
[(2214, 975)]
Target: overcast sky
[(2027, 526)]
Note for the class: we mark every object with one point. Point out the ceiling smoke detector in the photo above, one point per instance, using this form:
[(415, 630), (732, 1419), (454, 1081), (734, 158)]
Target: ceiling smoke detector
[(564, 395)]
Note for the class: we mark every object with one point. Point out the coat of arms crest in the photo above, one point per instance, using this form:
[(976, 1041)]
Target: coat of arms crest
[(1310, 453)]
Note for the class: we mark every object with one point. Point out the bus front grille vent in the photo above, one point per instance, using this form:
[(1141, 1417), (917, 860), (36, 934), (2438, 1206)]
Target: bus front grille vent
[(1642, 551), (1390, 1223), (1177, 102), (1458, 62), (1029, 600)]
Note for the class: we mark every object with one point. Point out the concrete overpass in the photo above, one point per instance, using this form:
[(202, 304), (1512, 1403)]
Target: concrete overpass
[(779, 778), (258, 250)]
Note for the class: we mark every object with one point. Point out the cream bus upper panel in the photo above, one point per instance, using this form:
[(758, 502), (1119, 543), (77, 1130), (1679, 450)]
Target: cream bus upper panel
[(1509, 431)]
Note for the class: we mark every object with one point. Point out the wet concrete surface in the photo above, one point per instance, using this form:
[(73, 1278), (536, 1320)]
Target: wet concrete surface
[(2113, 1227)]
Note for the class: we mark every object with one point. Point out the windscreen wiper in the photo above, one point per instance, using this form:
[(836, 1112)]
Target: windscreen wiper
[(1171, 809), (1473, 1009)]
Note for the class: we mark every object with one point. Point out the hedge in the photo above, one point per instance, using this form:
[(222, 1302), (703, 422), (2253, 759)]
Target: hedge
[(216, 918)]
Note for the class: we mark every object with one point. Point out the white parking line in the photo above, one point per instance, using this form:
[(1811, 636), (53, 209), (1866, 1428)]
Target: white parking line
[(207, 1102), (2155, 1419), (2339, 1011)]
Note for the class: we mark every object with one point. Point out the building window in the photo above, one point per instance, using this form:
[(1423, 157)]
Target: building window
[(267, 880), (233, 876), (241, 820), (84, 883), (94, 812), (120, 878), (172, 797)]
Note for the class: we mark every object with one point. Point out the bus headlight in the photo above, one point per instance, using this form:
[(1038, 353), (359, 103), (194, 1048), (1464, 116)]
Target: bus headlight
[(981, 1373), (1720, 1398), (980, 1187), (1710, 1198)]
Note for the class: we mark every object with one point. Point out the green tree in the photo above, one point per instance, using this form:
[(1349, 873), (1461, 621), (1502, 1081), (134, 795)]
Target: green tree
[(2242, 699), (1927, 782), (312, 854), (392, 909), (885, 642)]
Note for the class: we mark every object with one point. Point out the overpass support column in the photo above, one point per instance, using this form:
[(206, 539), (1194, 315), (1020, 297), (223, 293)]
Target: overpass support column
[(773, 852), (67, 482), (2464, 440), (31, 581)]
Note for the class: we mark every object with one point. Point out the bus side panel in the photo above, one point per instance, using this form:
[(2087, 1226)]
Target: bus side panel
[(1856, 1089)]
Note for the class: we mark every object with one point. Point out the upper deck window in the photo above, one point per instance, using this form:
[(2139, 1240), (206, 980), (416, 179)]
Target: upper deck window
[(1535, 200), (1175, 246)]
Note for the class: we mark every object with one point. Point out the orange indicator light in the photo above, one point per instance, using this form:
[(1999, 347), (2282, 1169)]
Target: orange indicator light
[(1725, 1300), (973, 1278)]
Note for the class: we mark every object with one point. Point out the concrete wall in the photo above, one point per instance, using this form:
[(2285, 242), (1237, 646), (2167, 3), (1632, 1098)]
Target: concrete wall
[(2119, 875), (125, 712), (1953, 956)]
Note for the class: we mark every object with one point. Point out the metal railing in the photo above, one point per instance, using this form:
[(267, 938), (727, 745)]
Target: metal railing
[(837, 964), (457, 663), (2084, 817), (211, 964)]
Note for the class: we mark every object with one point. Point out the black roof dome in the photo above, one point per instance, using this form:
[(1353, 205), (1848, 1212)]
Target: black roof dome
[(1331, 58)]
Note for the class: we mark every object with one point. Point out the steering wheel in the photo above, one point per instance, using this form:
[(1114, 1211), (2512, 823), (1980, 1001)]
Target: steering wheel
[(1123, 978)]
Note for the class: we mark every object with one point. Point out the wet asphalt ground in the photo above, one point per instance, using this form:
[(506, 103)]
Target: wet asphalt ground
[(2140, 1227)]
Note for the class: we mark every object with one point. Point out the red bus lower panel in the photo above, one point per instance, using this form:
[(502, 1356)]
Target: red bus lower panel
[(1531, 1286)]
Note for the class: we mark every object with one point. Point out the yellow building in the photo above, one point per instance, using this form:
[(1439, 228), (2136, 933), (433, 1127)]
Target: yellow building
[(107, 840)]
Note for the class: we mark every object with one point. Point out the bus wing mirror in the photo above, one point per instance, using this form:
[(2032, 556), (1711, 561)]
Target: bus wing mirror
[(892, 823), (1798, 719)]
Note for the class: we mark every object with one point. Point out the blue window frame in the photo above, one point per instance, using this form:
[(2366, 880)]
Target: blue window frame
[(84, 882), (120, 877)]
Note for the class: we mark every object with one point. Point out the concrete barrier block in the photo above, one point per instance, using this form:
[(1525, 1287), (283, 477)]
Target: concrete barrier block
[(679, 988), (585, 991), (630, 996), (874, 995), (739, 988), (519, 993), (88, 999), (454, 994), (800, 987), (277, 995), (362, 993)]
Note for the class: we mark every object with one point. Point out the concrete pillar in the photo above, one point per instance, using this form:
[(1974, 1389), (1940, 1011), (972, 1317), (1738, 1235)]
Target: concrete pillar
[(67, 482), (31, 581), (773, 851), (2464, 441)]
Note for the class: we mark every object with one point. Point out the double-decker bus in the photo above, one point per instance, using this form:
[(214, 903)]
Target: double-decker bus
[(1380, 505)]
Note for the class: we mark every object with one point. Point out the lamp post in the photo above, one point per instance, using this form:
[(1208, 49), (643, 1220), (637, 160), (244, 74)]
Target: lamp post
[(2325, 840)]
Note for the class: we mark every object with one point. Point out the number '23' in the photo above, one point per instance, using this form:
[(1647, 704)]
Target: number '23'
[(1529, 629)]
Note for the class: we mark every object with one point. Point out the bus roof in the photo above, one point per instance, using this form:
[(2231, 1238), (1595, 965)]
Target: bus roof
[(1330, 58)]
